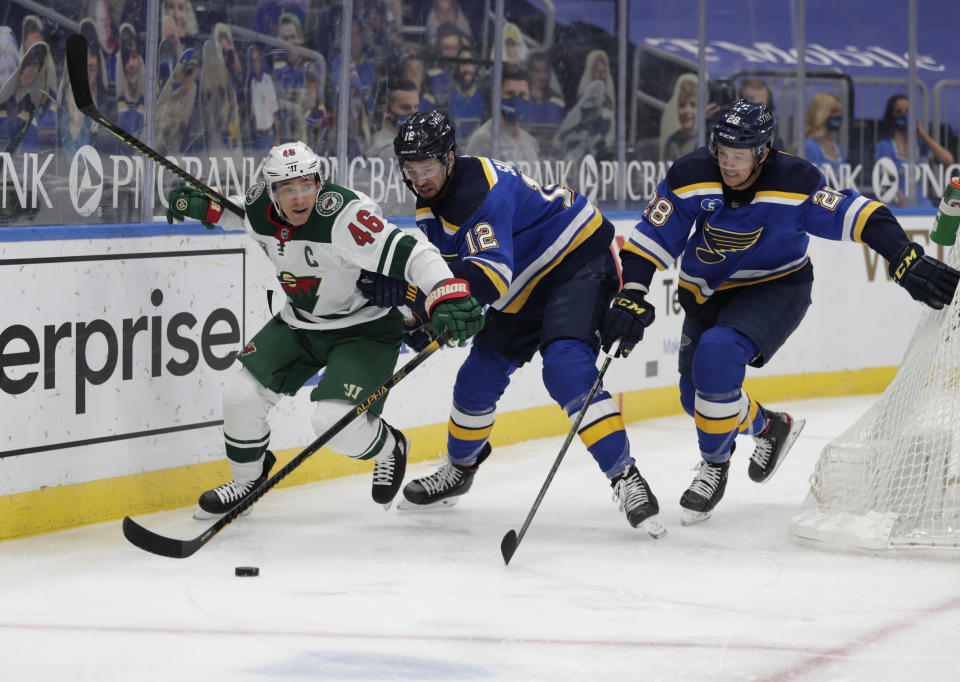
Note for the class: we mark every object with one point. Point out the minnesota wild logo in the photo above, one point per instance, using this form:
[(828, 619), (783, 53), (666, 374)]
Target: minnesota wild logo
[(719, 241), (302, 291), (254, 192), (329, 203)]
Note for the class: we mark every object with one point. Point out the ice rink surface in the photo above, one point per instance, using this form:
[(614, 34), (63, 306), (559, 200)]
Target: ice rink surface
[(348, 591)]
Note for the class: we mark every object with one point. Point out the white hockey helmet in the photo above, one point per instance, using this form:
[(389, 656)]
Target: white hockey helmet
[(291, 160)]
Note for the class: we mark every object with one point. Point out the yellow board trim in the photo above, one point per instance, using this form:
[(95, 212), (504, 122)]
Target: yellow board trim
[(59, 507)]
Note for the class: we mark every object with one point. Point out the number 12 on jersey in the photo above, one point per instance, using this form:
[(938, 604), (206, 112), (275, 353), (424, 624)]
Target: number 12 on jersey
[(481, 238)]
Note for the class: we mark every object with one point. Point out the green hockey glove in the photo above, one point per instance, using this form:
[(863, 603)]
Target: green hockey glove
[(187, 202), (451, 306)]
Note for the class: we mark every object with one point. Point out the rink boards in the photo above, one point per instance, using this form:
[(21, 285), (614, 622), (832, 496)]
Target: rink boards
[(114, 347)]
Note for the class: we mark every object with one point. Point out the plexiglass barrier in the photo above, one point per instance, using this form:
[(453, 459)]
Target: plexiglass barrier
[(601, 95)]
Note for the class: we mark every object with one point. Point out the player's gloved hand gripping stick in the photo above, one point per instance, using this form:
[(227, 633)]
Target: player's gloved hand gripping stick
[(448, 306), (77, 70), (626, 319), (207, 205)]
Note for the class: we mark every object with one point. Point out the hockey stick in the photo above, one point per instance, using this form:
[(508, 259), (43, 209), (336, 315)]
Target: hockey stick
[(180, 549), (512, 539), (77, 70)]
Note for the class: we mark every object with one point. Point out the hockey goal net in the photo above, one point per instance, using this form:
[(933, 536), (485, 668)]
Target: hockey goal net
[(892, 480)]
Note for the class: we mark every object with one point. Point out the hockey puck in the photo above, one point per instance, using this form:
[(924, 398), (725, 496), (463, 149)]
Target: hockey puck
[(246, 571)]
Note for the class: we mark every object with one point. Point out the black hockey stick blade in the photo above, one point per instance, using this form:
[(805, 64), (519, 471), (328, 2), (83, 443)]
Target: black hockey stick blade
[(77, 70), (158, 544), (511, 540), (180, 549)]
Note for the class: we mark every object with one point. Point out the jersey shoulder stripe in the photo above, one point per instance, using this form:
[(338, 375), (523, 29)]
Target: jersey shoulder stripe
[(694, 174), (775, 197)]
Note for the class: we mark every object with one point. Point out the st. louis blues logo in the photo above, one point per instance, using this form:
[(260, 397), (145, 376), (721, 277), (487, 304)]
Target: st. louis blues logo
[(718, 242)]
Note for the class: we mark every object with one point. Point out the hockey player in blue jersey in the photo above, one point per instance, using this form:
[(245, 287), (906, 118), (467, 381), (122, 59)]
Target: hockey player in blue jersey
[(540, 258), (745, 280)]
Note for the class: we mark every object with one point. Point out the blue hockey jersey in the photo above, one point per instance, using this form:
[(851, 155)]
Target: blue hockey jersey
[(729, 239), (509, 236)]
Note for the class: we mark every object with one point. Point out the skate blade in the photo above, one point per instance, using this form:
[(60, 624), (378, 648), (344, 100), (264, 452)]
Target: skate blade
[(795, 430), (654, 526), (201, 515), (688, 517), (407, 505)]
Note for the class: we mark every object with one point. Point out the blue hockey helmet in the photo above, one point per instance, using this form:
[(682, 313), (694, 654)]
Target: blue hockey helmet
[(745, 125)]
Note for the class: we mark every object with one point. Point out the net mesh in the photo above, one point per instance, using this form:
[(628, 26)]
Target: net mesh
[(892, 480)]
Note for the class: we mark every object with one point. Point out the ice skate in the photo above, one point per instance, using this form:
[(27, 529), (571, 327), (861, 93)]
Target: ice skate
[(638, 501), (217, 502), (773, 444), (388, 469), (443, 487), (704, 492)]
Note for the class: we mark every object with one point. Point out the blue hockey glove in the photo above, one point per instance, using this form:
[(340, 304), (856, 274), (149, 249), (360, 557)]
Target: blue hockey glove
[(926, 279), (390, 292), (628, 316)]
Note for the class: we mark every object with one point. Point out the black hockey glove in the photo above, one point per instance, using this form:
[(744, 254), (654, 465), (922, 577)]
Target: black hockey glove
[(417, 332), (628, 316), (926, 279), (390, 292)]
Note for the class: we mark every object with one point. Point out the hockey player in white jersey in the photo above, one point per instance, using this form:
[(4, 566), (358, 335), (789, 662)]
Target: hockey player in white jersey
[(745, 280), (319, 237)]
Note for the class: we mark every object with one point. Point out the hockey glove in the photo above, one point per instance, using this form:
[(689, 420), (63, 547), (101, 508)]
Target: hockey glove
[(186, 202), (926, 279), (417, 332), (451, 306), (628, 316), (390, 292)]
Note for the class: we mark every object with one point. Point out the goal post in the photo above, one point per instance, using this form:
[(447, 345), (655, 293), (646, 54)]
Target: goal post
[(891, 481)]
